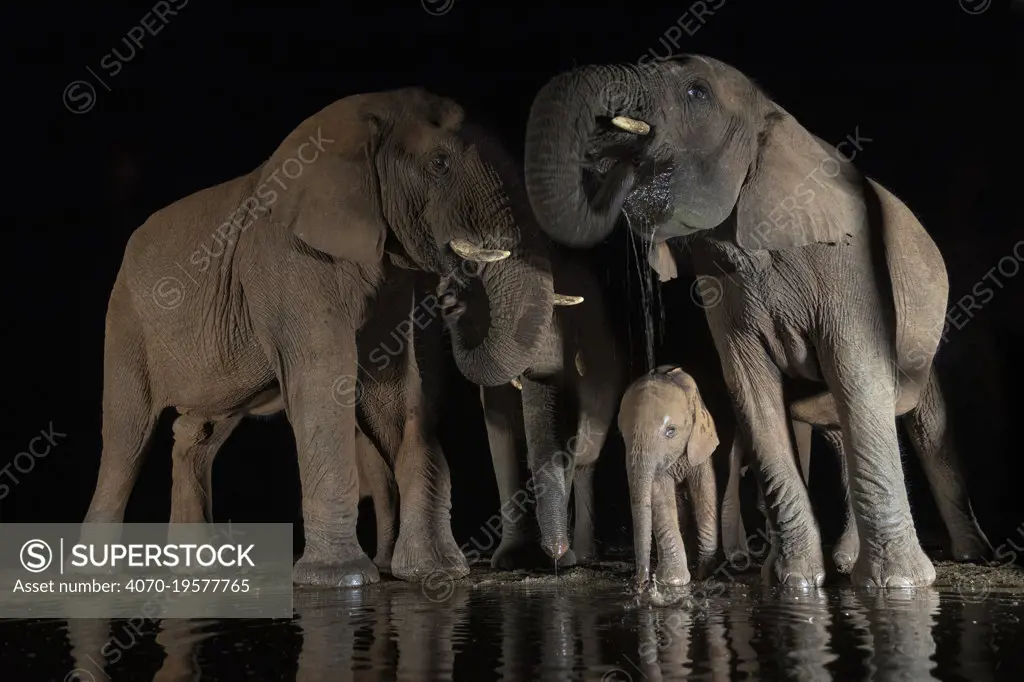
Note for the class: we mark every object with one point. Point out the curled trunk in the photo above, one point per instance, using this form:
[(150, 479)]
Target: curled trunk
[(564, 117), (519, 295)]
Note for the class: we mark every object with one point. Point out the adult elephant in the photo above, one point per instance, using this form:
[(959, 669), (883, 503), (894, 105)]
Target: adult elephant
[(818, 276), (557, 423), (371, 186)]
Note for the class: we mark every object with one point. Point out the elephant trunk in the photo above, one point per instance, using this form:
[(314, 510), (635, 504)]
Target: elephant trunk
[(562, 123), (554, 475), (640, 474), (519, 297)]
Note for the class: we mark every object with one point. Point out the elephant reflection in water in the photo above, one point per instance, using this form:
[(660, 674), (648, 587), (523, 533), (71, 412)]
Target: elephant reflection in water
[(412, 634), (549, 637)]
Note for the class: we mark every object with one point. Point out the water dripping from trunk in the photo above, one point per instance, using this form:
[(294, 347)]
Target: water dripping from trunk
[(650, 295)]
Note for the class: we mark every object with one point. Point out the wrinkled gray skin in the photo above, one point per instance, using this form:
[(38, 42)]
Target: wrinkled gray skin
[(192, 489), (940, 462), (269, 319), (670, 437), (558, 425), (825, 278)]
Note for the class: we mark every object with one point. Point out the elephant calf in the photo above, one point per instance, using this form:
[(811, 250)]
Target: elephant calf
[(670, 438)]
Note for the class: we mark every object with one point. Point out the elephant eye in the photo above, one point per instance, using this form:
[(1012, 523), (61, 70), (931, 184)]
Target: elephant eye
[(697, 92), (441, 163), (670, 431)]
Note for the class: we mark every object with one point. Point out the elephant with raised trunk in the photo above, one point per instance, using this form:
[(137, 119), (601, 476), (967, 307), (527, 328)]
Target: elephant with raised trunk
[(378, 186), (827, 281)]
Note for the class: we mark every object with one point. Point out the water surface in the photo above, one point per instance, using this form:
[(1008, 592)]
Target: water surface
[(584, 624)]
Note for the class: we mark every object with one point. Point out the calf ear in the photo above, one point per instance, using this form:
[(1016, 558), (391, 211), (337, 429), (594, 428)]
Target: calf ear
[(799, 191), (703, 436), (335, 205)]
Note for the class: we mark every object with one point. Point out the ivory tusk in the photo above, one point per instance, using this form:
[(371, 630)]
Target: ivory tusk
[(518, 384), (562, 299), (474, 253), (631, 125)]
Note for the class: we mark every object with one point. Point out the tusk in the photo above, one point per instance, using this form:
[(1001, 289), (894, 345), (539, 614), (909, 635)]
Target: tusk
[(562, 299), (580, 368), (518, 384), (474, 253), (631, 125)]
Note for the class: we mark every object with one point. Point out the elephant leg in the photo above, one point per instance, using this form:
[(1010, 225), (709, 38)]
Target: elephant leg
[(425, 543), (583, 525), (846, 549), (381, 487), (932, 438), (129, 420), (755, 386), (734, 535), (598, 396), (704, 494), (803, 432), (862, 375), (425, 546), (506, 435), (672, 568), (324, 429), (196, 443)]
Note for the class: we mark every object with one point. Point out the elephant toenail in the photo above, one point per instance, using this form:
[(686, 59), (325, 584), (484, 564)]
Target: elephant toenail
[(898, 583), (793, 580)]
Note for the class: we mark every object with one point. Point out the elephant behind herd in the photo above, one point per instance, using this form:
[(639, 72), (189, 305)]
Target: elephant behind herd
[(833, 298)]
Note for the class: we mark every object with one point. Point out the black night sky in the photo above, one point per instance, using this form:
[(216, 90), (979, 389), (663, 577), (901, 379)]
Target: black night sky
[(932, 87)]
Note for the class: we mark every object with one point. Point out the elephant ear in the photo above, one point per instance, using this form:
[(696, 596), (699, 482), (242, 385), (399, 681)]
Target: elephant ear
[(799, 191), (703, 435), (335, 205)]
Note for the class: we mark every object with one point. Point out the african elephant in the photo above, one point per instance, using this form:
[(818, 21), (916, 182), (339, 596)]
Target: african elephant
[(813, 276), (670, 437), (940, 462), (385, 186), (568, 396)]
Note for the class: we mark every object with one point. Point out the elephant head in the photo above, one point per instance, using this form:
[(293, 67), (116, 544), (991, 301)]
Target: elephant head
[(402, 173), (680, 147), (667, 431)]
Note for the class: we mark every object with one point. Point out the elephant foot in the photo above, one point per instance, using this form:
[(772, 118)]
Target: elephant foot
[(845, 552), (585, 552), (972, 547), (803, 567), (706, 567), (900, 564), (323, 573), (383, 559), (567, 560), (418, 555), (519, 553), (673, 572)]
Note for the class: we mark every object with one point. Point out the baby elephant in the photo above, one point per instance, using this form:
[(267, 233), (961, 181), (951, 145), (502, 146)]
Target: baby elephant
[(669, 438)]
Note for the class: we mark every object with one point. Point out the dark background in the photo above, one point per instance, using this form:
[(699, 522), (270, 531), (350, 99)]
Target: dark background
[(211, 95)]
